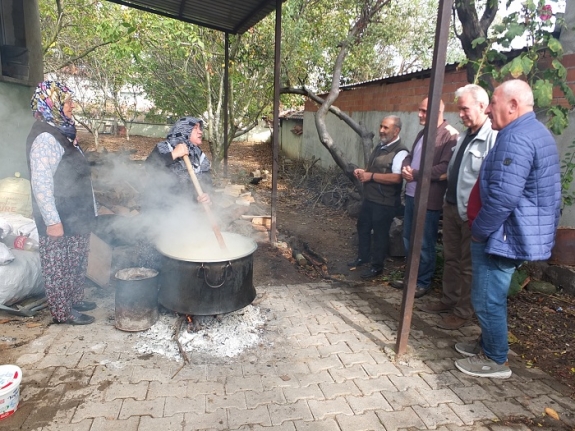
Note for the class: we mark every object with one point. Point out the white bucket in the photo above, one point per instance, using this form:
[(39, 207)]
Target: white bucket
[(10, 378)]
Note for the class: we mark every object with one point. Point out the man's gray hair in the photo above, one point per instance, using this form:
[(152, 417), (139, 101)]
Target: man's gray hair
[(477, 93), (396, 120)]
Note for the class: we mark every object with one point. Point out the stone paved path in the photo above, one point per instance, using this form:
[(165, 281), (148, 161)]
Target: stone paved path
[(326, 363)]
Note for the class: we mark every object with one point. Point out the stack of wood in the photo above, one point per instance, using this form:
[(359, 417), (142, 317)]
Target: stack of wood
[(260, 223)]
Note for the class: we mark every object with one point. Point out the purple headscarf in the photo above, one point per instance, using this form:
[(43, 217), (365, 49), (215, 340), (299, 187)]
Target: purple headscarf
[(48, 105)]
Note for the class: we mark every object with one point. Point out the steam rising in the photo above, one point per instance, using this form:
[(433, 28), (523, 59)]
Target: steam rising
[(170, 216)]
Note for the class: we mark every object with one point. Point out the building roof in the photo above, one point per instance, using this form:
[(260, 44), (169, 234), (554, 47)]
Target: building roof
[(234, 17), (400, 77)]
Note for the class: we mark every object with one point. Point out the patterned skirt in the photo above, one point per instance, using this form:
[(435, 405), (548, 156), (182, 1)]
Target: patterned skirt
[(64, 263)]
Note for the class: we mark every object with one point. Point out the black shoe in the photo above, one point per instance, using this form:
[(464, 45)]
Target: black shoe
[(397, 284), (356, 263), (421, 291), (371, 272), (76, 318), (84, 306)]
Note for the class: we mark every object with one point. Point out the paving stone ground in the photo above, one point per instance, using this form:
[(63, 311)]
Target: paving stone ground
[(325, 363)]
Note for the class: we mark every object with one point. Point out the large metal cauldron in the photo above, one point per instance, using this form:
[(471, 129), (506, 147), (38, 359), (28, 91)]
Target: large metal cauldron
[(198, 278)]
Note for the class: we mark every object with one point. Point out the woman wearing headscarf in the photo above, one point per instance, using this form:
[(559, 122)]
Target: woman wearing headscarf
[(184, 139), (169, 186), (63, 203)]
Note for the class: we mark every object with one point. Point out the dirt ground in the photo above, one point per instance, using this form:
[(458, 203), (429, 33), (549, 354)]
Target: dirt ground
[(542, 327)]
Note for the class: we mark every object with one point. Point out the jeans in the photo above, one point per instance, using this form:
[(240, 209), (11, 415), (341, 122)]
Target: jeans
[(428, 255), (378, 218), (491, 279), (456, 263)]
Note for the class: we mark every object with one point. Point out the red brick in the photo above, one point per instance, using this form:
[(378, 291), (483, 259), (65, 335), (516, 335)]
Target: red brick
[(568, 60)]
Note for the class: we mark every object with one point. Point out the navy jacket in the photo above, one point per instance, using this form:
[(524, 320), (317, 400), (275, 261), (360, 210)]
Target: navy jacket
[(520, 190)]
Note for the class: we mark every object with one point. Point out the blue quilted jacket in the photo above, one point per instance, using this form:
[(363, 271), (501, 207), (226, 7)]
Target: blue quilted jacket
[(520, 190)]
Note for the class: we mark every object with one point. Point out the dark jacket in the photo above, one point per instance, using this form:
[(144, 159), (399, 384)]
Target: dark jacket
[(380, 162), (72, 185), (520, 189), (445, 140), (164, 188)]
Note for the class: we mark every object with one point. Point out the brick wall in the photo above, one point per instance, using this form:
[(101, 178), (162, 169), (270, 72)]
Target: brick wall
[(405, 95)]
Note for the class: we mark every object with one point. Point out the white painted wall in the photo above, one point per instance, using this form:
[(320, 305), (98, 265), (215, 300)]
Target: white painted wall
[(349, 142), (15, 123)]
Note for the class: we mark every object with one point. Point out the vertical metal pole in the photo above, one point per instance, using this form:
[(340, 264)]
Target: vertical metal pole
[(422, 191), (276, 114), (226, 99)]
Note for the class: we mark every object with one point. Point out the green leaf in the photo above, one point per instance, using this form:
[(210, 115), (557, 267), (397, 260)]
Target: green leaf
[(555, 46), (561, 71), (542, 92), (478, 41), (514, 30), (558, 119)]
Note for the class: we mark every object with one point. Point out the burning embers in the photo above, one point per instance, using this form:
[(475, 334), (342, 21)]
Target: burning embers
[(226, 335), (197, 323)]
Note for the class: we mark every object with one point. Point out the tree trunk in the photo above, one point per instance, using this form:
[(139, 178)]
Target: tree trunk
[(473, 28)]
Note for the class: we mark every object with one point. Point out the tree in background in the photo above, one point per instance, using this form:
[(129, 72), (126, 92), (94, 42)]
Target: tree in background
[(537, 60), (181, 68), (86, 43), (365, 40)]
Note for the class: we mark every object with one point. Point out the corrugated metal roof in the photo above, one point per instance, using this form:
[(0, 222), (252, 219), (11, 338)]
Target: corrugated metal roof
[(399, 77), (234, 17)]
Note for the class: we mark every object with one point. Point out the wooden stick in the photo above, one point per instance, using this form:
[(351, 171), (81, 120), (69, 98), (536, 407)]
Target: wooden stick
[(200, 192)]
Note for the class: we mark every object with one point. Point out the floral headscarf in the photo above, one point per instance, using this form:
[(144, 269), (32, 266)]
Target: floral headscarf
[(48, 105), (180, 134)]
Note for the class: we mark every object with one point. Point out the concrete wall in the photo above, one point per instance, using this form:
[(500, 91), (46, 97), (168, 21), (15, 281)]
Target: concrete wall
[(15, 114), (159, 131), (350, 143), (290, 143), (260, 133), (368, 105), (15, 123)]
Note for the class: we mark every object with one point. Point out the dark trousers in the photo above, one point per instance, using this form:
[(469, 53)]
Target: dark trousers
[(378, 218)]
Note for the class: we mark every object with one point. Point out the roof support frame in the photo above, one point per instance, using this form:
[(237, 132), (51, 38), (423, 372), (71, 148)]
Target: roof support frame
[(422, 190)]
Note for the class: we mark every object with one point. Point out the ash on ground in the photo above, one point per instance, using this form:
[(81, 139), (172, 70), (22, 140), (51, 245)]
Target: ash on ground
[(223, 336)]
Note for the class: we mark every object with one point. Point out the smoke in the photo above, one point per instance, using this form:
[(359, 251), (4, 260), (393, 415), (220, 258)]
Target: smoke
[(166, 212), (148, 202)]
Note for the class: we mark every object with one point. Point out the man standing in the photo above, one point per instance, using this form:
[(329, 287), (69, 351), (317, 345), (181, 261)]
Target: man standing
[(382, 185), (462, 172), (514, 210), (444, 142)]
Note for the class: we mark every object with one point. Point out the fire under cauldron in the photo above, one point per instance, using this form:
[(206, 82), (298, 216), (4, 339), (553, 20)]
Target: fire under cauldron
[(198, 277)]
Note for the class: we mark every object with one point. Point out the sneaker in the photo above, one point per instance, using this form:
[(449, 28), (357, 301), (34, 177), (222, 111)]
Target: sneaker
[(481, 366), (396, 284), (421, 291), (84, 306), (434, 308), (371, 273), (469, 349), (356, 263)]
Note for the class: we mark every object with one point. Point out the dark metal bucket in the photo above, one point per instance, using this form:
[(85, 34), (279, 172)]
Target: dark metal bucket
[(136, 298)]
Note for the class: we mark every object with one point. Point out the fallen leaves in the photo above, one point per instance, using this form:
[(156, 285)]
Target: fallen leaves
[(551, 413)]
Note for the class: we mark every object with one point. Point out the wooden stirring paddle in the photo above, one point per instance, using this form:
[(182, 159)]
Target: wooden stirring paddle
[(199, 191)]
